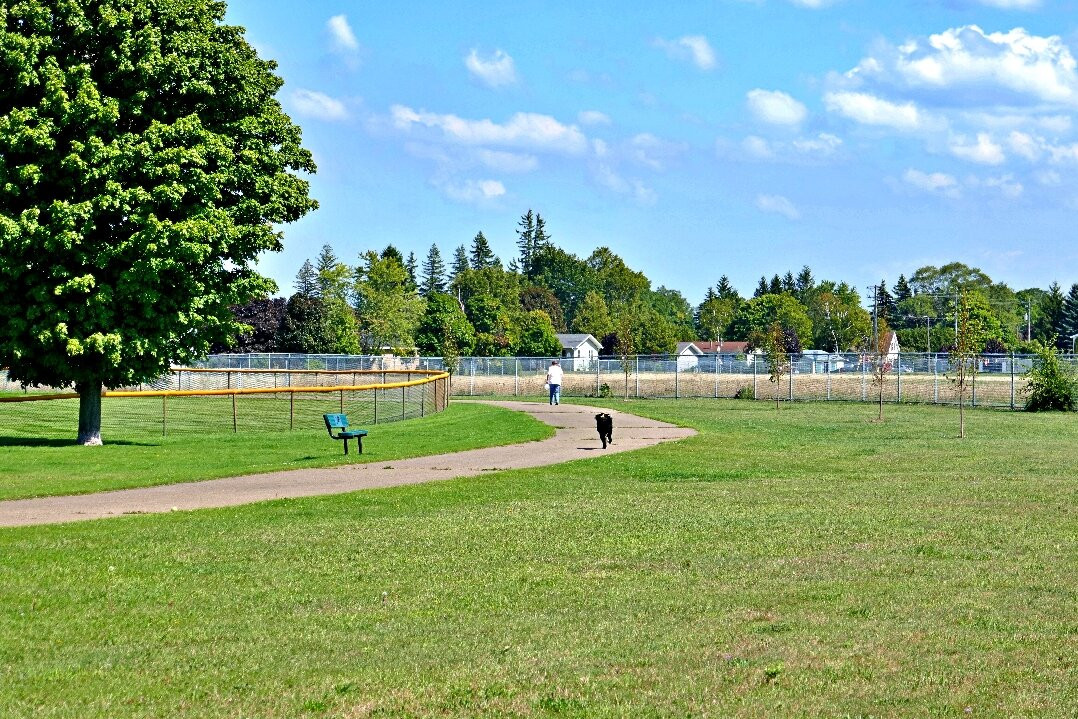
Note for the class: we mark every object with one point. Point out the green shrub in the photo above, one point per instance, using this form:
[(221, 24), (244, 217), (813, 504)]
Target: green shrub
[(604, 390), (745, 392), (1051, 384)]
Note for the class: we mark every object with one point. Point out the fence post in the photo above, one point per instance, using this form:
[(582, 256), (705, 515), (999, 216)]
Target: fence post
[(828, 367), (423, 402), (164, 413), (342, 401), (597, 365), (471, 378), (974, 382), (864, 378), (637, 363), (935, 381), (234, 429), (791, 382), (716, 375), (404, 412), (1012, 379), (898, 397), (754, 358), (291, 411), (516, 377), (376, 391), (677, 378)]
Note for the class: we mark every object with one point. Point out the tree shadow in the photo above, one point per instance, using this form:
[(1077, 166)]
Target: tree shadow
[(7, 441)]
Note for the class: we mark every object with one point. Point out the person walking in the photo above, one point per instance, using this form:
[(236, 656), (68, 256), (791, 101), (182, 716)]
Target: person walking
[(553, 380)]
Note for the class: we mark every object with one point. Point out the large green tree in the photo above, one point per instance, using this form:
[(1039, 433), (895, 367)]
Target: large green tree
[(144, 165), (387, 306)]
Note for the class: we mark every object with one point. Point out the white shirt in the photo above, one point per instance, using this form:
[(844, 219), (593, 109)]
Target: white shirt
[(553, 375)]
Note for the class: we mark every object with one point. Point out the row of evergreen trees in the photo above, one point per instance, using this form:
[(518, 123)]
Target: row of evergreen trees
[(478, 305)]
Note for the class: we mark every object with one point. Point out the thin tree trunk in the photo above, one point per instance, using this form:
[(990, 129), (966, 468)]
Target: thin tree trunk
[(880, 418), (961, 414), (89, 413)]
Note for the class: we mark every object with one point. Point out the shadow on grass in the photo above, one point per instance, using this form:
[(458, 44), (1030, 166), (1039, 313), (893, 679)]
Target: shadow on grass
[(7, 441)]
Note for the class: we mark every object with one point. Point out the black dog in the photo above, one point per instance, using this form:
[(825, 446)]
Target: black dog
[(604, 423)]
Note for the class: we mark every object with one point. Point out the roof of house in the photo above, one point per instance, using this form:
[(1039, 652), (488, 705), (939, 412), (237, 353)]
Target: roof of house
[(688, 347), (572, 341), (723, 347)]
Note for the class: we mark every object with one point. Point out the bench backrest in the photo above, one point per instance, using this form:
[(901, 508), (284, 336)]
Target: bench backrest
[(335, 421)]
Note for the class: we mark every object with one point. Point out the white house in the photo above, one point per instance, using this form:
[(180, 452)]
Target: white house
[(688, 355), (579, 351)]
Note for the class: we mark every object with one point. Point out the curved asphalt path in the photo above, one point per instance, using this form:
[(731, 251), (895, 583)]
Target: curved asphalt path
[(575, 438)]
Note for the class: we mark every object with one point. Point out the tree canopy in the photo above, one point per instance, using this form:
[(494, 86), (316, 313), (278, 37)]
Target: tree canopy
[(144, 165)]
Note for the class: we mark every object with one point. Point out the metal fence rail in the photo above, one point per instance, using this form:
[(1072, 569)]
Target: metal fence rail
[(914, 378)]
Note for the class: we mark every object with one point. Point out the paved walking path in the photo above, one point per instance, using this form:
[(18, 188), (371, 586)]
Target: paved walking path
[(575, 438)]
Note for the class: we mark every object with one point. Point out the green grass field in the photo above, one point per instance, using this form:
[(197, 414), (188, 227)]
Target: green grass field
[(134, 456), (802, 562)]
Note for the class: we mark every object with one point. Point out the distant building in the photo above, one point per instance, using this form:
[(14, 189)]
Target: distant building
[(583, 350), (688, 355), (723, 348)]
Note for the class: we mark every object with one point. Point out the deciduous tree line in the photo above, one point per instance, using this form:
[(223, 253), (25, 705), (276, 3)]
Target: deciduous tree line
[(391, 303)]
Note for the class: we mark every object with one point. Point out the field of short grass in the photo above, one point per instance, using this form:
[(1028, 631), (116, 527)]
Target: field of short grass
[(50, 464), (801, 562)]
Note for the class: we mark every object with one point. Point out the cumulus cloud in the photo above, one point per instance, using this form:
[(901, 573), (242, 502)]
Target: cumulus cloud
[(341, 34), (693, 48), (653, 152), (871, 110), (776, 107), (777, 204), (473, 191), (593, 117), (523, 130), (936, 182), (983, 151), (318, 105), (496, 70), (821, 146), (967, 66)]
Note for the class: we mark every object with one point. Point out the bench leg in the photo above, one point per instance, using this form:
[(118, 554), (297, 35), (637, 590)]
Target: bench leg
[(359, 441), (346, 445)]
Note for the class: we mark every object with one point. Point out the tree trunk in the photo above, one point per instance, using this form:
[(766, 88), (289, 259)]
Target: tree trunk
[(961, 414), (89, 413), (880, 418)]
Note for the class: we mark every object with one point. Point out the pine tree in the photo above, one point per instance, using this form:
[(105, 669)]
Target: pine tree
[(411, 265), (433, 273), (725, 291), (789, 284), (482, 256), (460, 261), (902, 290), (1070, 317), (526, 243), (885, 304), (540, 239), (333, 275), (710, 295), (775, 288), (392, 252), (805, 284), (1049, 324), (762, 288), (306, 283)]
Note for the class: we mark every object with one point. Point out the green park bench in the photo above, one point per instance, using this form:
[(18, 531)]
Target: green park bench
[(339, 422)]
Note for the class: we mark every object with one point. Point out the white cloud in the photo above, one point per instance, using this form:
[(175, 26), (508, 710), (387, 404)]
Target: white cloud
[(694, 48), (474, 191), (984, 151), (495, 71), (821, 146), (1025, 145), (653, 152), (871, 110), (935, 182), (1012, 4), (593, 117), (778, 205), (967, 66), (776, 107), (507, 161), (318, 105), (1007, 185), (524, 129), (344, 39), (610, 179)]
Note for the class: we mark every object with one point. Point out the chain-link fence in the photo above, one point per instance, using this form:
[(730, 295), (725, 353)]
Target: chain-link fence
[(234, 401), (914, 378)]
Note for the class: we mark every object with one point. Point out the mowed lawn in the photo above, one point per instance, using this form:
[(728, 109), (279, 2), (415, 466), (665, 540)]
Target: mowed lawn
[(43, 459), (801, 562)]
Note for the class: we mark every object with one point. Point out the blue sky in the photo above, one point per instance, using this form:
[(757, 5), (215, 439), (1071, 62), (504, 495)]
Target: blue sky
[(864, 138)]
